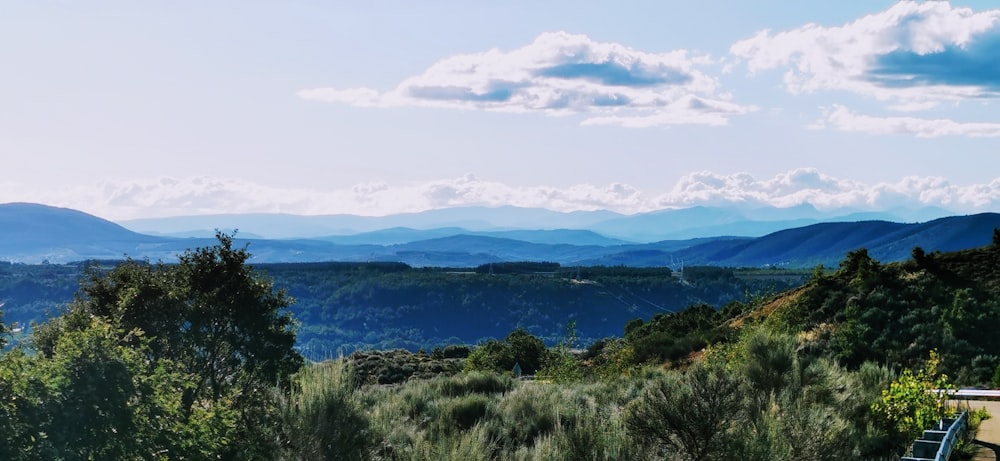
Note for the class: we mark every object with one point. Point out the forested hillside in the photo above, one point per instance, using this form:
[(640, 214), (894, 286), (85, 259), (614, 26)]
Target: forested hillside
[(343, 307)]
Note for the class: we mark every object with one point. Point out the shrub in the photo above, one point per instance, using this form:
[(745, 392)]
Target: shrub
[(689, 417), (322, 417), (461, 413), (474, 383), (909, 406)]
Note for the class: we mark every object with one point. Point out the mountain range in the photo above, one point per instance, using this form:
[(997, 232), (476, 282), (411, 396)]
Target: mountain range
[(668, 224), (468, 237)]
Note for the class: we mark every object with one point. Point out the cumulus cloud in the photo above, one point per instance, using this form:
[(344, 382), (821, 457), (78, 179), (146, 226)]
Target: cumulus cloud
[(915, 55), (796, 187), (808, 186), (840, 118), (559, 74), (160, 197)]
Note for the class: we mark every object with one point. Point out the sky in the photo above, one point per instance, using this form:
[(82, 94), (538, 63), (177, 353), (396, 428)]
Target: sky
[(149, 109)]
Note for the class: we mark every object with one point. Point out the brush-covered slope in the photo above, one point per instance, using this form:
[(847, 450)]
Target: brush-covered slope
[(898, 312), (865, 310)]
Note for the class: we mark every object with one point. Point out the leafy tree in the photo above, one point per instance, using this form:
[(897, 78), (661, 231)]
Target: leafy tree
[(493, 355), (210, 326), (20, 402), (520, 347), (673, 336), (527, 350), (560, 365), (93, 396), (909, 405)]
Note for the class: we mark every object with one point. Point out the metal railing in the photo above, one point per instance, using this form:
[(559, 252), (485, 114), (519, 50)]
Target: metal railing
[(936, 443)]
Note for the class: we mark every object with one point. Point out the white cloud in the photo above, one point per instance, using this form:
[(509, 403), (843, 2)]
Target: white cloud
[(361, 97), (690, 110), (795, 187), (176, 196), (559, 74), (840, 118), (914, 54), (809, 186)]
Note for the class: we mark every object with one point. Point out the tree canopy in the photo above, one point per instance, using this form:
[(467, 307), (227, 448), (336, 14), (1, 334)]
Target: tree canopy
[(156, 361)]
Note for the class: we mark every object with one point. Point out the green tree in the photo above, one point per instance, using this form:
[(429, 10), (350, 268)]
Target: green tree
[(21, 397), (90, 398), (93, 396), (527, 350), (561, 365), (910, 404), (493, 355), (520, 347), (212, 327)]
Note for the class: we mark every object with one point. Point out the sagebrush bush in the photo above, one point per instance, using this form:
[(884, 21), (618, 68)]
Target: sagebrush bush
[(474, 383), (322, 417), (461, 413)]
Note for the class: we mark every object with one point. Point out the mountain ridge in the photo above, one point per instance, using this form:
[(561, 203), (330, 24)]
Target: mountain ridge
[(648, 227), (33, 233)]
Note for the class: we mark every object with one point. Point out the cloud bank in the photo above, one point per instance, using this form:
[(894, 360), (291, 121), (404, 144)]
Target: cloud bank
[(562, 74), (173, 196), (911, 57), (913, 53), (840, 118)]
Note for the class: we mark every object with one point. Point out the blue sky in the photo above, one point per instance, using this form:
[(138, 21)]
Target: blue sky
[(145, 109)]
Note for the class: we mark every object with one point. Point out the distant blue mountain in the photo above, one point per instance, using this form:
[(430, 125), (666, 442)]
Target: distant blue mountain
[(284, 226), (33, 233), (827, 243), (672, 224), (400, 235)]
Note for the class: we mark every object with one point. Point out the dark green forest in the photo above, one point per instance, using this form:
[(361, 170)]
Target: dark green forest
[(344, 307)]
